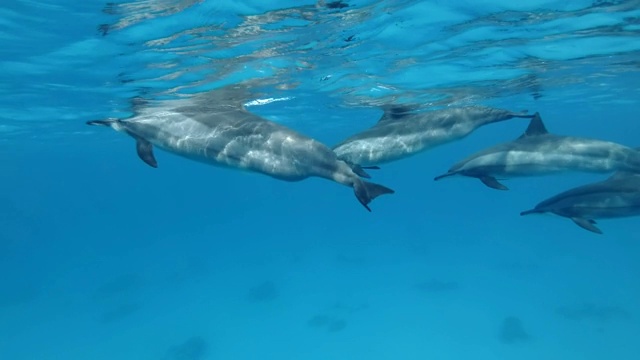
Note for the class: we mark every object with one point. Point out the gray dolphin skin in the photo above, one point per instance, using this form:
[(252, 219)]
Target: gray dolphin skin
[(537, 152), (215, 128), (401, 132), (618, 196)]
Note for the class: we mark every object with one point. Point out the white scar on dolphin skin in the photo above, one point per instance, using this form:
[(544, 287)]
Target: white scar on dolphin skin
[(402, 132), (616, 197), (216, 129), (538, 152)]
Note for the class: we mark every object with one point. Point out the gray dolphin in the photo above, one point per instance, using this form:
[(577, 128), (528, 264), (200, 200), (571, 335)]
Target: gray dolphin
[(537, 152), (215, 128), (401, 132), (617, 196)]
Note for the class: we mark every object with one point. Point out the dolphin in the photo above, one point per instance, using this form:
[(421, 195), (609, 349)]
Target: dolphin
[(538, 152), (401, 132), (617, 196), (215, 128)]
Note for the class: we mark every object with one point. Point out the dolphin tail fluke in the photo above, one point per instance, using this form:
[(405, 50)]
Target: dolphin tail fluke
[(587, 224), (106, 122), (367, 191)]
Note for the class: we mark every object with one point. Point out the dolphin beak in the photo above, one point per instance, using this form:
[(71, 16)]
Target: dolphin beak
[(450, 173), (532, 211)]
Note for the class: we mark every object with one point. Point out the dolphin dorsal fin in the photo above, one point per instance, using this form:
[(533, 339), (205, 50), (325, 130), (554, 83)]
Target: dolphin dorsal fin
[(536, 127), (138, 103), (227, 98), (396, 112)]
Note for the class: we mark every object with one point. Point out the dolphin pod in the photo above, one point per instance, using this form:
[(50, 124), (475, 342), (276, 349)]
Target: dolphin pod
[(216, 129), (538, 152)]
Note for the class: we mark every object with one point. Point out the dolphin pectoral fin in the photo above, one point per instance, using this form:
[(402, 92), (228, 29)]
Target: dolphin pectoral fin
[(365, 192), (145, 152), (397, 112), (587, 224), (493, 183), (359, 170)]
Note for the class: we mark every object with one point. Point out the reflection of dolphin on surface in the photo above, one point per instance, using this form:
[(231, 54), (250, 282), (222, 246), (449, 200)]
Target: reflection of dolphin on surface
[(618, 196), (401, 132), (215, 128), (537, 152)]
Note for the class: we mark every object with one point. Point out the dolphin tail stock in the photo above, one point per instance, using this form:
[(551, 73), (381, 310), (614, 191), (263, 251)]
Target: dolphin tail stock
[(367, 191)]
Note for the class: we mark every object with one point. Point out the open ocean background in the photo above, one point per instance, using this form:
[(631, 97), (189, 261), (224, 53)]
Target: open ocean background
[(103, 257)]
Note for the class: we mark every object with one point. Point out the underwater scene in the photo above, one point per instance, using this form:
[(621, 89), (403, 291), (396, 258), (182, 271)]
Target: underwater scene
[(319, 180)]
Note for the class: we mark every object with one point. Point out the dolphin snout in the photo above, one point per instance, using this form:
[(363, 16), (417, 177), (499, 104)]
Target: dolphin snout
[(532, 211), (450, 173)]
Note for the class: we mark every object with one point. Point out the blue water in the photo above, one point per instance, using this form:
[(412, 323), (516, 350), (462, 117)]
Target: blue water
[(103, 257)]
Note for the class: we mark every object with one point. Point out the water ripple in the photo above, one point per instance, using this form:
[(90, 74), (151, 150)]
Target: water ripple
[(363, 52)]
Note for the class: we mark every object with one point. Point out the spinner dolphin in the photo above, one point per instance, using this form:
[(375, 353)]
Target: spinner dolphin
[(215, 128), (538, 152), (615, 197), (402, 132)]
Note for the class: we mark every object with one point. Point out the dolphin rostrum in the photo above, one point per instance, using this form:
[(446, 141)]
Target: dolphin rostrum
[(538, 152), (402, 132), (617, 196), (216, 129)]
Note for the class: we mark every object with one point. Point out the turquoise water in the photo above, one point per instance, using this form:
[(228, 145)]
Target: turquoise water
[(103, 257)]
